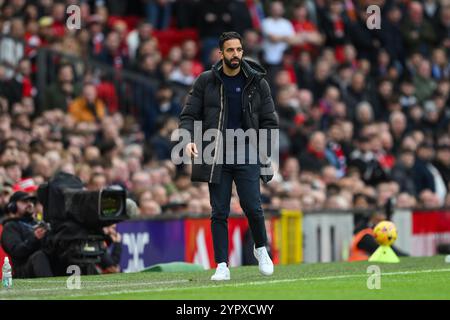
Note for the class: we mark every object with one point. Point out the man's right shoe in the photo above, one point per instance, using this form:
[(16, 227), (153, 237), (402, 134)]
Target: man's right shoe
[(222, 273)]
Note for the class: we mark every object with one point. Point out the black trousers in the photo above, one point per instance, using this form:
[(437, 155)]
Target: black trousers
[(37, 266), (246, 178)]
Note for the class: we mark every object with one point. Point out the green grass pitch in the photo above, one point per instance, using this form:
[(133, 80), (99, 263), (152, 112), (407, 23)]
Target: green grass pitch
[(412, 278)]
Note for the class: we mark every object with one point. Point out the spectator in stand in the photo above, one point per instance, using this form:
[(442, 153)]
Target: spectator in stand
[(426, 176), (397, 126), (435, 119), (391, 36), (113, 53), (334, 24), (443, 28), (5, 194), (97, 36), (213, 17), (429, 200), (365, 160), (442, 162), (195, 207), (364, 39), (184, 74), (242, 19), (304, 71), (190, 51), (403, 172), (88, 107), (322, 78), (440, 68), (97, 182), (313, 159), (364, 115), (252, 45), (307, 37), (159, 13), (148, 66), (60, 94), (160, 142), (336, 149), (13, 172), (424, 83), (136, 37), (417, 32), (21, 85), (149, 208), (167, 103), (356, 93), (278, 34)]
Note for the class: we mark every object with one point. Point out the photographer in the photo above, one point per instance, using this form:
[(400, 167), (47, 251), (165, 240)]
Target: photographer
[(22, 238)]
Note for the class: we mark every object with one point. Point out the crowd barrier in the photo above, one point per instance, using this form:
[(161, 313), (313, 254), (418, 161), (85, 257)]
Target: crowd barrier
[(294, 237)]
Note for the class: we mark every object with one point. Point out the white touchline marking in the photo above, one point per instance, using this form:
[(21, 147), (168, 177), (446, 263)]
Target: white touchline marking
[(253, 283), (4, 292)]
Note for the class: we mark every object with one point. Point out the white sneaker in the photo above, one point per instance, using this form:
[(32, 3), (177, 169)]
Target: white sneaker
[(222, 273), (264, 262)]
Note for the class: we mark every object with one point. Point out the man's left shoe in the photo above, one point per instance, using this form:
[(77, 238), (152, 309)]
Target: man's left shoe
[(264, 262)]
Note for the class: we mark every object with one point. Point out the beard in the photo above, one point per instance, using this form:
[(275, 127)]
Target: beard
[(233, 63)]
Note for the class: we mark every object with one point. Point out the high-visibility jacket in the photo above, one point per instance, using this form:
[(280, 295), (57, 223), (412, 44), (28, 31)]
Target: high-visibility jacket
[(356, 254)]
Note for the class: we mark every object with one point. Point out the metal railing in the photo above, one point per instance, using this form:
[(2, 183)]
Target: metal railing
[(128, 92)]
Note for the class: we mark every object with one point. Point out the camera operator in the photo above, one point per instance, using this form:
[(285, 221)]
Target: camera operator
[(23, 237), (111, 259)]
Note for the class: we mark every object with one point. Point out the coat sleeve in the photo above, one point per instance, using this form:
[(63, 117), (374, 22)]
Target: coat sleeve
[(268, 118), (15, 246), (193, 107)]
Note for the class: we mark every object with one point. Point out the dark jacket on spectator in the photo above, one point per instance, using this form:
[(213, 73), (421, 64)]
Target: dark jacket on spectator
[(56, 98), (19, 242), (392, 40), (206, 103), (427, 36), (444, 170), (312, 161), (364, 40), (219, 10), (404, 176), (423, 179), (368, 166)]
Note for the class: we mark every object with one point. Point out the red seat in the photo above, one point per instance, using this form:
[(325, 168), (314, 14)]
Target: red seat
[(172, 37)]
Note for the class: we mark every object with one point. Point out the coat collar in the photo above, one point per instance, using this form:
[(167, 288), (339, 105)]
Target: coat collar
[(250, 68)]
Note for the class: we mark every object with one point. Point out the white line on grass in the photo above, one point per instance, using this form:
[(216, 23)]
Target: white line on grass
[(221, 284), (153, 283)]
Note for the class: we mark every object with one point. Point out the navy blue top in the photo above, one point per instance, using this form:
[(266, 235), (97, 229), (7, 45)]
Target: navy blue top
[(234, 86)]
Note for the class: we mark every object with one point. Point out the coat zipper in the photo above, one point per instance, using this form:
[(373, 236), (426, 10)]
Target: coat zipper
[(217, 137)]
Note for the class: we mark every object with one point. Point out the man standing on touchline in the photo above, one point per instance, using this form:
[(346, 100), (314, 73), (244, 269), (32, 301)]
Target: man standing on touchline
[(232, 95)]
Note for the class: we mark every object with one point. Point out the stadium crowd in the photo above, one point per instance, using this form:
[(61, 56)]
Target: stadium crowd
[(364, 113)]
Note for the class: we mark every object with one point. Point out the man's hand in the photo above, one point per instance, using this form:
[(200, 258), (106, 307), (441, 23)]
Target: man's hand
[(191, 149), (39, 233), (116, 237)]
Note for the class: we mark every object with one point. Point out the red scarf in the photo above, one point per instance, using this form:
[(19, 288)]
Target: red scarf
[(27, 87), (317, 154)]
